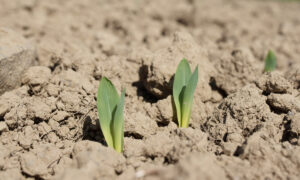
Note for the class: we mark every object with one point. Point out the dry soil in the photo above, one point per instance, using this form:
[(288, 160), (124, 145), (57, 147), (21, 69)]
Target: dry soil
[(245, 123)]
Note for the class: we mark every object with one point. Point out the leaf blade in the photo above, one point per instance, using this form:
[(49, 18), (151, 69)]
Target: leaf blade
[(118, 124), (270, 62), (188, 96), (107, 99), (181, 78)]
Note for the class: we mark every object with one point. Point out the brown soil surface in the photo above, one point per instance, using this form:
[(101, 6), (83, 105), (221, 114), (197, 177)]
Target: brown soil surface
[(245, 123)]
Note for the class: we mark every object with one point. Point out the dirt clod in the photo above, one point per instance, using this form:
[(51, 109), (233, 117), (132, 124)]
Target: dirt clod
[(273, 83), (284, 102), (240, 113), (235, 71)]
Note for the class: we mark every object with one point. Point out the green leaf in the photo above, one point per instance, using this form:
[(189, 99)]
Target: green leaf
[(107, 100), (118, 124), (187, 101), (270, 62), (184, 87), (181, 79)]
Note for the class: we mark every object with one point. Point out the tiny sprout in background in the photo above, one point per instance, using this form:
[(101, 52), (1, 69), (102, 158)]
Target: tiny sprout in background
[(110, 110), (270, 62), (183, 91)]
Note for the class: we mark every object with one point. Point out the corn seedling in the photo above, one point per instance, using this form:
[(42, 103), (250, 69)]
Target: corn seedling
[(183, 90), (270, 62), (110, 110)]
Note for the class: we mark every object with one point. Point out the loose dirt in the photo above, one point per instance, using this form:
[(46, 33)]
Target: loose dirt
[(245, 123)]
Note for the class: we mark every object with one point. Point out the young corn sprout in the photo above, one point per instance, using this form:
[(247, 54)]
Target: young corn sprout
[(110, 110), (270, 62), (183, 90)]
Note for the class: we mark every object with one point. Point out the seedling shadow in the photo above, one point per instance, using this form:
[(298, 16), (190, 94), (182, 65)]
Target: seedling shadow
[(141, 90), (92, 131)]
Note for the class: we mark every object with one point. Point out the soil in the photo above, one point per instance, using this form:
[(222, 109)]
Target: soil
[(245, 123)]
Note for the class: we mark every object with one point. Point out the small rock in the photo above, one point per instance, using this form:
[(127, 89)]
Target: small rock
[(16, 55)]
